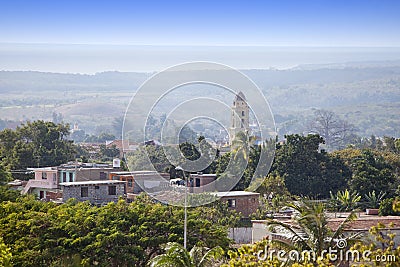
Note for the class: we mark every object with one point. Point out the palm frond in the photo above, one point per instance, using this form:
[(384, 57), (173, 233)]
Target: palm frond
[(165, 261), (210, 256), (339, 231)]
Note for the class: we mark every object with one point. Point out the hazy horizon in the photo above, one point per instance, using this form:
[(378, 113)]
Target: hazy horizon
[(91, 58)]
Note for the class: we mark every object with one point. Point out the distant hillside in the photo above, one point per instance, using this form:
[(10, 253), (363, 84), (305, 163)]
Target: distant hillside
[(20, 81), (366, 94)]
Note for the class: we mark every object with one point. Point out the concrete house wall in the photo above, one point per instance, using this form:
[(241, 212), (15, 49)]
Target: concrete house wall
[(46, 179), (242, 201), (96, 192)]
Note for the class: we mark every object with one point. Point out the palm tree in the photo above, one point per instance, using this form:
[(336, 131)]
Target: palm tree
[(310, 232), (177, 256), (241, 144)]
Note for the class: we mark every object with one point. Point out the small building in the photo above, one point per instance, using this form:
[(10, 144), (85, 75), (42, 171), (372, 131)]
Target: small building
[(200, 182), (45, 183), (96, 192), (77, 172), (139, 181), (242, 201)]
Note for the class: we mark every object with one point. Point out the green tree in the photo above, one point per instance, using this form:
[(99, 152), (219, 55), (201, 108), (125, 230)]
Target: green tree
[(177, 256), (397, 145), (148, 157), (37, 143), (273, 185), (117, 234), (109, 153), (382, 246), (6, 194), (371, 170), (389, 207), (301, 162), (5, 255)]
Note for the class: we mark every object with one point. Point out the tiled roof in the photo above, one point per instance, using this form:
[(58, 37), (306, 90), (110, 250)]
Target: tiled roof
[(365, 223)]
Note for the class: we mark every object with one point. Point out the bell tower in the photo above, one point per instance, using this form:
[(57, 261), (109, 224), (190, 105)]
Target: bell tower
[(239, 116)]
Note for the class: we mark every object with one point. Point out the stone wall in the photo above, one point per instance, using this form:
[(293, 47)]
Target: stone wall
[(97, 194)]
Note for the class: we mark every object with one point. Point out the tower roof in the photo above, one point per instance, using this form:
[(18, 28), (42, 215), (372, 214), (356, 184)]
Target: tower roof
[(240, 97)]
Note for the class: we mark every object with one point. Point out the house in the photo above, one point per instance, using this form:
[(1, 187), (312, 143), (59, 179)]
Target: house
[(45, 183), (47, 179), (96, 192), (139, 181), (242, 201), (200, 182), (76, 172)]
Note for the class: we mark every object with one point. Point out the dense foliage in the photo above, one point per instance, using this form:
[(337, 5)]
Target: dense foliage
[(301, 162), (176, 255), (35, 144), (5, 193), (118, 234)]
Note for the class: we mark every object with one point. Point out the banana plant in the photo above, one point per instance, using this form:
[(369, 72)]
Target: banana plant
[(373, 200), (345, 200)]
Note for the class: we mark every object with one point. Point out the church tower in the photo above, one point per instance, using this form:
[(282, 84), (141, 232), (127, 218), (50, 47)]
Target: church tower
[(239, 116)]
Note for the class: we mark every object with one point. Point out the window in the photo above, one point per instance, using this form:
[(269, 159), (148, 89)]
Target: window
[(242, 112), (102, 175), (112, 190), (231, 203), (197, 182), (84, 191), (64, 177), (54, 177), (130, 183), (44, 175), (96, 187), (71, 177)]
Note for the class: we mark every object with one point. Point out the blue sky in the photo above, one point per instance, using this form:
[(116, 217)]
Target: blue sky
[(261, 23)]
